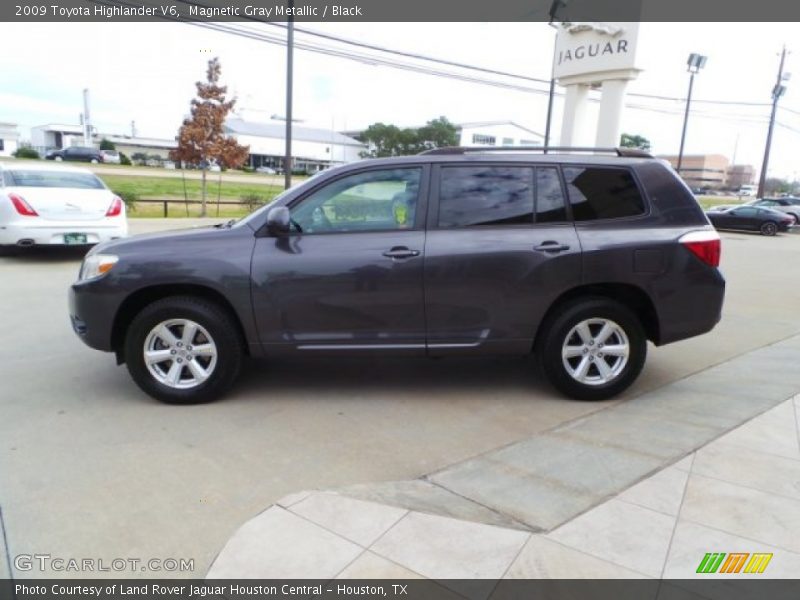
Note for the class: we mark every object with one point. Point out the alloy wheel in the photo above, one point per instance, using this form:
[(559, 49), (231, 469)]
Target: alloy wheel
[(595, 351), (180, 353)]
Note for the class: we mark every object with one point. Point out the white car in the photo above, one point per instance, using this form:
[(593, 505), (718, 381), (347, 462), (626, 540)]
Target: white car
[(45, 205), (111, 157)]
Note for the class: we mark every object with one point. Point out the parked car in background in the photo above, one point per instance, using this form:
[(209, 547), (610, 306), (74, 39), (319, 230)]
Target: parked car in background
[(77, 154), (788, 205), (580, 259), (751, 218), (266, 170), (45, 205), (110, 156), (747, 190)]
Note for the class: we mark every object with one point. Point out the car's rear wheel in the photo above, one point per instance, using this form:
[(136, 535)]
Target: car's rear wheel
[(183, 349), (592, 349), (58, 158), (769, 228)]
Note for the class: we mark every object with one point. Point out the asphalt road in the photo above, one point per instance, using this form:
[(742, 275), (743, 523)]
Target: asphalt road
[(90, 467)]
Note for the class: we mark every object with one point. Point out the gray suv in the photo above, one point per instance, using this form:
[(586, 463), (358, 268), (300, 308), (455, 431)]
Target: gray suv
[(580, 258)]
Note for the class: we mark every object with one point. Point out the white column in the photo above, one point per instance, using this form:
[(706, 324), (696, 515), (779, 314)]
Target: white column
[(608, 121), (573, 124)]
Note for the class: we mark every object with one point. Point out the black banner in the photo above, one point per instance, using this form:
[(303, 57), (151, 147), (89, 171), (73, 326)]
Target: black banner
[(397, 10), (734, 588)]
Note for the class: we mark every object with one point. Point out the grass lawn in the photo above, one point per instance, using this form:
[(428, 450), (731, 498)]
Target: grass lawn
[(708, 201), (173, 187)]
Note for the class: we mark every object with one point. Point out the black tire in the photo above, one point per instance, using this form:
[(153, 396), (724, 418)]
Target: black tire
[(220, 326), (553, 336), (769, 228)]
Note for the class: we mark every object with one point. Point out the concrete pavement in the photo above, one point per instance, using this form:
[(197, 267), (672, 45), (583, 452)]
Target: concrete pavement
[(91, 467), (738, 494)]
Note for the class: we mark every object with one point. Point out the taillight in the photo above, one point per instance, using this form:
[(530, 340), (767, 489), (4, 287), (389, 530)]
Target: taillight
[(22, 207), (116, 207), (705, 245)]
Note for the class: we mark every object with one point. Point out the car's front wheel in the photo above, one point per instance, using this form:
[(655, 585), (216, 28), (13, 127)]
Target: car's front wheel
[(592, 349), (58, 158), (183, 349), (769, 228)]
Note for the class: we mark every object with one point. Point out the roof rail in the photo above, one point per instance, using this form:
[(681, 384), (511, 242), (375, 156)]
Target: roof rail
[(453, 150)]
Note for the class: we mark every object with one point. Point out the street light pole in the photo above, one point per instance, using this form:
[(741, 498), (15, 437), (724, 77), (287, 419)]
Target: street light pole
[(695, 63), (287, 159), (685, 122), (777, 92)]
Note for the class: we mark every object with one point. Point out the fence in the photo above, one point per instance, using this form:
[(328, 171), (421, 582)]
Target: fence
[(210, 204)]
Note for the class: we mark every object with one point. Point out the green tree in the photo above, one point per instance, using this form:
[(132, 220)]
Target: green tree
[(634, 141), (390, 140), (438, 133), (107, 145), (776, 185)]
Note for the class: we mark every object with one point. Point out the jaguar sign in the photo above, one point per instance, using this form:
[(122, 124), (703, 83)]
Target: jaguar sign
[(588, 48)]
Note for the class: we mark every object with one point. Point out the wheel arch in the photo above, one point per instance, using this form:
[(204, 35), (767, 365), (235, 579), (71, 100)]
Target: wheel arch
[(633, 297), (135, 302)]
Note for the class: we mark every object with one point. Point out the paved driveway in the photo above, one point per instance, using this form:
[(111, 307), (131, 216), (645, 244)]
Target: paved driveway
[(92, 468)]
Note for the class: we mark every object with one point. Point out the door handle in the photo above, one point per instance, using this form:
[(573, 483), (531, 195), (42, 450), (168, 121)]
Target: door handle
[(401, 252), (550, 246)]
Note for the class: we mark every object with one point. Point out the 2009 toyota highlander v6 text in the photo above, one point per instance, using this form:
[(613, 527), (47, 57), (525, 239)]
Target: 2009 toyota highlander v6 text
[(578, 258)]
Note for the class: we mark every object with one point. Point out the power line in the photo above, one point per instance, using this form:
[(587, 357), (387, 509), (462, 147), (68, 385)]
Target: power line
[(461, 65), (371, 59)]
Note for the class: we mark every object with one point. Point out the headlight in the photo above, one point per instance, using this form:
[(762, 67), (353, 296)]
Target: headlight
[(96, 265)]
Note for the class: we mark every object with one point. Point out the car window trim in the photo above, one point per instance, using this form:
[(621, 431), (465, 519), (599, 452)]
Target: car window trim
[(419, 216)]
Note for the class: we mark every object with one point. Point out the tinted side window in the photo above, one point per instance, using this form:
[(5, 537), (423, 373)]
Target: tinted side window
[(602, 193), (746, 211), (550, 205), (472, 196)]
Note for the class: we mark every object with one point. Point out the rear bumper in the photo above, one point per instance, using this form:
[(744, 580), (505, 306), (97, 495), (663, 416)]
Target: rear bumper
[(51, 233), (692, 309)]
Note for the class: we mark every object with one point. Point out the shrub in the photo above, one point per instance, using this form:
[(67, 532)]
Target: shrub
[(123, 159), (26, 152), (129, 198), (252, 201), (106, 145)]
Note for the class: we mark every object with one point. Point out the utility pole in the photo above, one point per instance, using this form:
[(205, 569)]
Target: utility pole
[(777, 91), (554, 7), (287, 160), (87, 120)]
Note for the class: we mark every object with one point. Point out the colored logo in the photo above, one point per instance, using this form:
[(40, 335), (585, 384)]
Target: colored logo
[(734, 562)]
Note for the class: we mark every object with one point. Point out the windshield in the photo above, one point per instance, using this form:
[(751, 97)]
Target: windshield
[(53, 179)]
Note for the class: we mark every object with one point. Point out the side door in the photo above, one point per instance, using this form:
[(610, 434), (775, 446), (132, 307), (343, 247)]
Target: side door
[(500, 248), (72, 153), (349, 277), (744, 217)]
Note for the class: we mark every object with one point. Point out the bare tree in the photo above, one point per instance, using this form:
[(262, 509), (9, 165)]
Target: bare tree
[(201, 138)]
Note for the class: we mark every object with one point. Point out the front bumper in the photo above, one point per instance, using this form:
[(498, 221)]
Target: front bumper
[(91, 314)]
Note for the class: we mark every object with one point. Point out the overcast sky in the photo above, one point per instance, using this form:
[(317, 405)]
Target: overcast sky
[(146, 72)]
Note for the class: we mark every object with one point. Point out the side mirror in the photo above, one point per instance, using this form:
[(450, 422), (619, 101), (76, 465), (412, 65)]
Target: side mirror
[(278, 221)]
